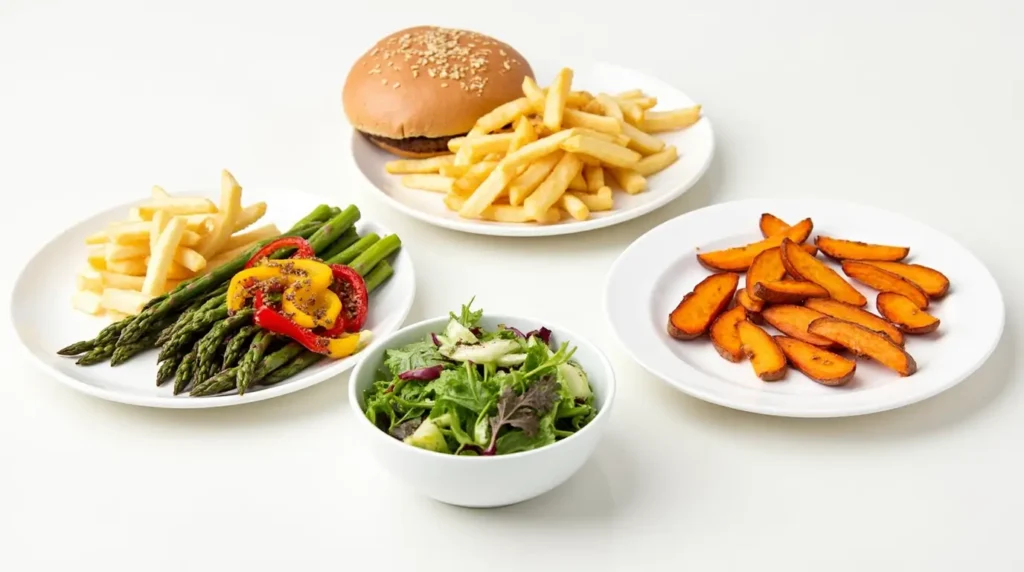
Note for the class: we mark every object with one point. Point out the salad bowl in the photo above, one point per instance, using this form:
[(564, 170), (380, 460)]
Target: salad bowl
[(484, 481)]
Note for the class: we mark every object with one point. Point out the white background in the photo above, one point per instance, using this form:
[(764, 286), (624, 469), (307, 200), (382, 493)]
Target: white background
[(915, 106)]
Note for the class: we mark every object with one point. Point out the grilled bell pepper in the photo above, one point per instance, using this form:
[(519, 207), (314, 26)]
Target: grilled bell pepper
[(333, 347), (296, 277), (302, 249), (356, 298)]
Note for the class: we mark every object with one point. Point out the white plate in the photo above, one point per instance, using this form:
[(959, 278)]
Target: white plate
[(45, 321), (696, 147), (650, 277)]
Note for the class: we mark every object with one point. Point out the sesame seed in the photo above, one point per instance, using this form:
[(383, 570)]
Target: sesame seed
[(502, 52), (395, 86), (383, 81), (444, 53)]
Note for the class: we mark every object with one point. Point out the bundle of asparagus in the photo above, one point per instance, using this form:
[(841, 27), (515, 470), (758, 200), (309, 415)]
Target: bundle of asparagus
[(204, 347)]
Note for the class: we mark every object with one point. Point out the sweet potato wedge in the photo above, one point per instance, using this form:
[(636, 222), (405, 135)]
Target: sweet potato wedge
[(771, 225), (802, 265), (768, 360), (752, 306), (905, 314), (818, 364), (930, 281), (840, 249), (837, 309), (766, 267), (739, 259), (725, 336), (699, 308), (884, 281), (794, 321), (865, 342), (787, 291)]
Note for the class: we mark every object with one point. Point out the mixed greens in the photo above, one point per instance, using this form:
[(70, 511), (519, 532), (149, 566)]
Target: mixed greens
[(466, 391)]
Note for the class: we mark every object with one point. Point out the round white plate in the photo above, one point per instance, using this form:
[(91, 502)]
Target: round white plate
[(45, 321), (652, 275), (696, 147)]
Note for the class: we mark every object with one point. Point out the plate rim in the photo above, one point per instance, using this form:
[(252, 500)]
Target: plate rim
[(487, 228), (214, 401), (786, 411)]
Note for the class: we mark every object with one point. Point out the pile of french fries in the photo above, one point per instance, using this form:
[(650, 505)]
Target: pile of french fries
[(163, 241), (564, 153)]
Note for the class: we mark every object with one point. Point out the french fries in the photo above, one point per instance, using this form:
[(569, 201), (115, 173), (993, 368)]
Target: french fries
[(167, 239), (428, 182), (418, 166), (512, 150)]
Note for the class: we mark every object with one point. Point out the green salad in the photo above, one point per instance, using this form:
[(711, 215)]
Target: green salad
[(468, 391)]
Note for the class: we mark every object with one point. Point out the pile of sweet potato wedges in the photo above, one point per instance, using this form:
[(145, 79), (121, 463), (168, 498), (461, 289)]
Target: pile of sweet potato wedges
[(818, 312)]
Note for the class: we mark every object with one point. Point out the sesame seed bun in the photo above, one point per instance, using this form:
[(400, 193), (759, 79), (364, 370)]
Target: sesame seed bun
[(430, 82)]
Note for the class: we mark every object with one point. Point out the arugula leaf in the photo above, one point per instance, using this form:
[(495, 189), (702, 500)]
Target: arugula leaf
[(523, 411), (468, 317), (465, 388), (412, 356), (538, 366)]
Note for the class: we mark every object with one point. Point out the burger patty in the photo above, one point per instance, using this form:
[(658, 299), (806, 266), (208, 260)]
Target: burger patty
[(415, 144)]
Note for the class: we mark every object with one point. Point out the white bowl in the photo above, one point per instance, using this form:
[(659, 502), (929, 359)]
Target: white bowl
[(481, 482)]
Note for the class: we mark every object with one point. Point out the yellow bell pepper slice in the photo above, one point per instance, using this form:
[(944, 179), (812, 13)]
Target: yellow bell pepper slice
[(302, 277), (242, 282), (305, 273), (319, 310), (342, 347)]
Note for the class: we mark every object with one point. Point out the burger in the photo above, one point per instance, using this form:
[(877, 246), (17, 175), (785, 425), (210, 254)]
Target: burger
[(420, 87)]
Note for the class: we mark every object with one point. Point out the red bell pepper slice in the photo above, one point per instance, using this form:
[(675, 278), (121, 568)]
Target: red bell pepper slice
[(270, 319), (355, 299), (301, 246)]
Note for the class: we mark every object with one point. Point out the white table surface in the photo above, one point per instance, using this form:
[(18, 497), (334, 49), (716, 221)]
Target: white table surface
[(916, 109)]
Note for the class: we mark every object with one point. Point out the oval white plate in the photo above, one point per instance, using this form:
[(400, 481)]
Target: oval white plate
[(45, 321), (696, 147), (652, 275)]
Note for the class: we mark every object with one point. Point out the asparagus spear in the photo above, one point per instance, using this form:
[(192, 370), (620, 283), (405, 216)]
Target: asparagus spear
[(381, 272), (183, 319), (347, 239), (375, 253), (188, 333), (125, 352), (251, 359), (107, 334), (301, 362), (167, 369), (185, 293), (184, 373), (334, 228), (98, 354), (227, 379), (206, 352), (219, 383), (238, 346), (320, 213), (350, 253)]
